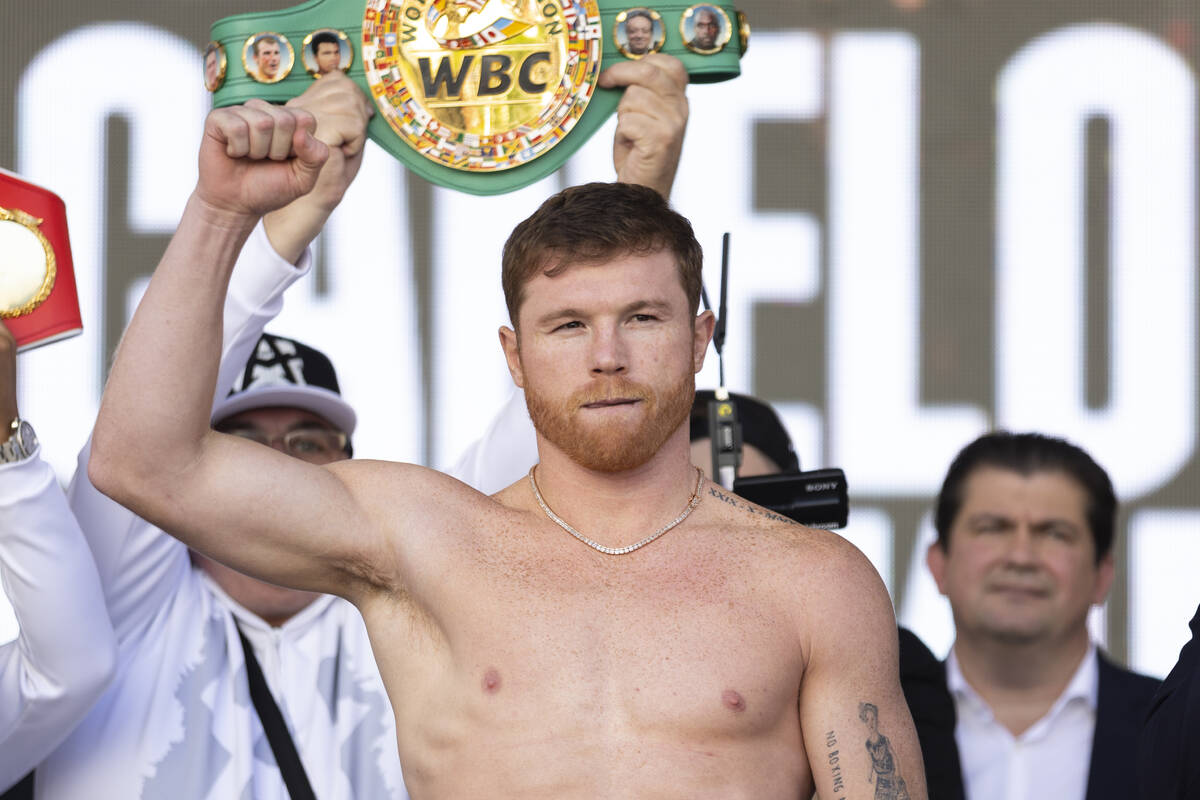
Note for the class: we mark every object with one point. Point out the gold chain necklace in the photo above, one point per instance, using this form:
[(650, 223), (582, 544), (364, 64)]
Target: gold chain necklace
[(616, 551)]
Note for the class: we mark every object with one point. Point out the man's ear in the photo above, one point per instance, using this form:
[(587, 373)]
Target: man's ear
[(706, 321), (935, 559), (1104, 579), (512, 354)]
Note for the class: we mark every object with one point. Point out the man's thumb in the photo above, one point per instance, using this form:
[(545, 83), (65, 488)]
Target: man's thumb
[(311, 155)]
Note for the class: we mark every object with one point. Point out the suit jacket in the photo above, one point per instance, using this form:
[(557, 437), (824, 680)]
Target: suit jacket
[(923, 680), (1169, 752), (1123, 698), (21, 790)]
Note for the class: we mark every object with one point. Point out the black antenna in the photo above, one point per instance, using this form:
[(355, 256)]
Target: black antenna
[(719, 331), (724, 430)]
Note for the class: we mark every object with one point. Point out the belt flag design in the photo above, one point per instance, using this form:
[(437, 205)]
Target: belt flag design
[(483, 96)]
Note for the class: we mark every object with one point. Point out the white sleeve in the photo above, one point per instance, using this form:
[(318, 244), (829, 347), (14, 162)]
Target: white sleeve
[(140, 566), (504, 454), (65, 654), (255, 297)]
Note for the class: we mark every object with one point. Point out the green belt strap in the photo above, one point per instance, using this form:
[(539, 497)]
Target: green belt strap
[(483, 96)]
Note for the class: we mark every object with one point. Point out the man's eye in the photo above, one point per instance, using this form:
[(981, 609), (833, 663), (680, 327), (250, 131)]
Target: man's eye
[(1062, 533), (644, 317), (570, 326), (308, 445)]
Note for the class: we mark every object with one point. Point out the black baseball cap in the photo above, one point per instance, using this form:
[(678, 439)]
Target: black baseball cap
[(285, 372), (761, 427)]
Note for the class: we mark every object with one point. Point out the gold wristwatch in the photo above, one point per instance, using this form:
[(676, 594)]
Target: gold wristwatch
[(22, 441)]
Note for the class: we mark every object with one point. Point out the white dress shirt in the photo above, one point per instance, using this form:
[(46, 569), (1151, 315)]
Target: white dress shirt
[(1050, 759)]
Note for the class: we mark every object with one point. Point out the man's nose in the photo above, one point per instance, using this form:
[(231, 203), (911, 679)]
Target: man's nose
[(1022, 546), (608, 353)]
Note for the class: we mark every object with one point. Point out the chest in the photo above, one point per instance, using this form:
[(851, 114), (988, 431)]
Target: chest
[(683, 637)]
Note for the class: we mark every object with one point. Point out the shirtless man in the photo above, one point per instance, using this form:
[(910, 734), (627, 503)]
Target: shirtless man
[(727, 658)]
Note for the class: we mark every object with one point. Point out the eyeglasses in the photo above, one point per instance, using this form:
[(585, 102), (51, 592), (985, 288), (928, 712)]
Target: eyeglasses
[(305, 443)]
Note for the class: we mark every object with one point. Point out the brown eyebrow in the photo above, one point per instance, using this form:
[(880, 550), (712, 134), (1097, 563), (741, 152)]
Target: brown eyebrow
[(991, 517), (546, 319), (1056, 522), (651, 305), (637, 305)]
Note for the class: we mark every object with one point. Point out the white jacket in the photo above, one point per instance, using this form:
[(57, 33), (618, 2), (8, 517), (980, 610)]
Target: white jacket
[(64, 655), (178, 723)]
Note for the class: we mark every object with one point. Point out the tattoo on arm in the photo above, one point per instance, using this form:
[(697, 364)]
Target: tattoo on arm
[(737, 502), (835, 766), (885, 773)]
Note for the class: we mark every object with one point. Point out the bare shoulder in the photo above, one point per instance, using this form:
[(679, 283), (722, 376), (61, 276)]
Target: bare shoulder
[(807, 552), (826, 582)]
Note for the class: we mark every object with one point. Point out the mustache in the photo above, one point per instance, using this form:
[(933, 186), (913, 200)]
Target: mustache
[(611, 389)]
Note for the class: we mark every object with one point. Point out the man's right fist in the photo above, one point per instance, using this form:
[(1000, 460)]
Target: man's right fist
[(258, 157)]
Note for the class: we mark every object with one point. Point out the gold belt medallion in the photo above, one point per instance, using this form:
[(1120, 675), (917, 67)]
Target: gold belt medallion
[(481, 85), (29, 264)]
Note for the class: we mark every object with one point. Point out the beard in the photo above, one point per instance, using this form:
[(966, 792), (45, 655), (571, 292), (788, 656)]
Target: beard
[(612, 446)]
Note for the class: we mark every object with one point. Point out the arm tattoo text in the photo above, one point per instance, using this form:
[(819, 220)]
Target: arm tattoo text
[(835, 766)]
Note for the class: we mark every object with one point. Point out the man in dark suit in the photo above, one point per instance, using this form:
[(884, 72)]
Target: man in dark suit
[(1169, 751), (1024, 549)]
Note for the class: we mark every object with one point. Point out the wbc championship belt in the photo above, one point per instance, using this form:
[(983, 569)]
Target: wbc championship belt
[(484, 96)]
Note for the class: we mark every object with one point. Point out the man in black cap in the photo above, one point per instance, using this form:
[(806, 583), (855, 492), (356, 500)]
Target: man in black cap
[(192, 633)]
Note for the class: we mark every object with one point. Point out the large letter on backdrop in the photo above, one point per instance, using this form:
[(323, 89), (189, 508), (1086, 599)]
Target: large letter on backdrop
[(879, 431), (1046, 95)]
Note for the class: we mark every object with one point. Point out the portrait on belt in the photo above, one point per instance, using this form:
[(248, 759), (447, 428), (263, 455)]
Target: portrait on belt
[(268, 57), (325, 51), (638, 31), (215, 64), (705, 29)]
